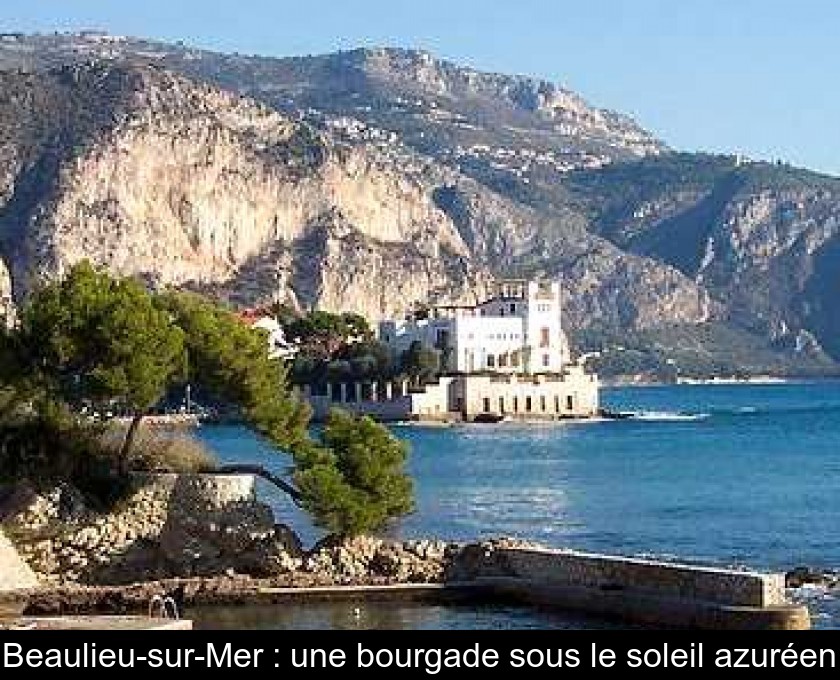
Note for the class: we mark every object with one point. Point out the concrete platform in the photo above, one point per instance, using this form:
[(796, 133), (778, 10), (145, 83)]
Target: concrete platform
[(94, 623), (648, 608), (650, 592)]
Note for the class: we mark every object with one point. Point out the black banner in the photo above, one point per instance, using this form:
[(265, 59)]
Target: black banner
[(419, 653)]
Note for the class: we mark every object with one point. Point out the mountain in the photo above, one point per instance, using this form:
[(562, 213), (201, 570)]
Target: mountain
[(154, 175), (376, 180)]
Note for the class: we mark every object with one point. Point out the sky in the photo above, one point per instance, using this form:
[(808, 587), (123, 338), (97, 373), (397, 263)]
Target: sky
[(756, 77)]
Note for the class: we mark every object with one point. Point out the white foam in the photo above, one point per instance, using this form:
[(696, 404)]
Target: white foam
[(665, 416)]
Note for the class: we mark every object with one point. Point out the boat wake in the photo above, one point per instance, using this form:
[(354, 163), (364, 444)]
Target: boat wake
[(667, 416)]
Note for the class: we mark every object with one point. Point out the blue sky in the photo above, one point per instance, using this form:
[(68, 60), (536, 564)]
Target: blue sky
[(757, 77)]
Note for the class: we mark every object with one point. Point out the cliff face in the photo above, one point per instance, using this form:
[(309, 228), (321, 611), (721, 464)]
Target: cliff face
[(186, 184), (376, 180), (763, 240)]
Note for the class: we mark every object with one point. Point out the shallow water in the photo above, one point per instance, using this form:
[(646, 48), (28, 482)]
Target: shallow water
[(387, 616), (723, 474)]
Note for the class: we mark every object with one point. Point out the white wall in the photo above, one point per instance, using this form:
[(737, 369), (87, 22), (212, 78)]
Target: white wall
[(479, 337), (499, 327), (543, 312)]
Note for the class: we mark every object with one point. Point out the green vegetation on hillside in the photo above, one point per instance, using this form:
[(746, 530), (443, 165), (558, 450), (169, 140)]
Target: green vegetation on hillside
[(341, 347), (667, 353)]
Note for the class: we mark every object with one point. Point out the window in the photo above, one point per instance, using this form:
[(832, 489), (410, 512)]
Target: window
[(491, 361), (528, 404), (546, 361), (570, 403), (486, 401), (545, 337), (513, 308), (542, 404), (503, 360), (557, 404), (514, 359), (516, 404), (501, 404)]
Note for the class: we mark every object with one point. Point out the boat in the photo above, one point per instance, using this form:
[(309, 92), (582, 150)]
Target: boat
[(488, 418), (616, 415)]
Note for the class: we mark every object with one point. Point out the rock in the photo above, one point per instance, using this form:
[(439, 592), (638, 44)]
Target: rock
[(803, 575), (153, 536), (32, 511), (288, 539), (17, 580)]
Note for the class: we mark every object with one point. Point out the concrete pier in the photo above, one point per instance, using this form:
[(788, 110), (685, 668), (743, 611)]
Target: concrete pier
[(635, 590), (646, 592), (124, 622)]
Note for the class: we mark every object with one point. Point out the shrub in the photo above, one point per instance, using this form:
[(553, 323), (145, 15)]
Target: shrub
[(163, 451), (50, 445)]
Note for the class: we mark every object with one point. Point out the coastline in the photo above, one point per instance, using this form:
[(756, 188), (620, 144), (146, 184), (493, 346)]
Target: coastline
[(721, 381), (641, 592)]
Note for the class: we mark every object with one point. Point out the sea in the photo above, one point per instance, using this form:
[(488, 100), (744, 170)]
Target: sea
[(741, 475)]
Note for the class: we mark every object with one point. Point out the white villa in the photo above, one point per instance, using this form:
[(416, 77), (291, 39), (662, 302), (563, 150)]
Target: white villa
[(506, 357), (518, 330)]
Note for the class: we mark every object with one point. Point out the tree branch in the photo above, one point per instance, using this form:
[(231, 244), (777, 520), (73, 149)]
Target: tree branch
[(260, 471)]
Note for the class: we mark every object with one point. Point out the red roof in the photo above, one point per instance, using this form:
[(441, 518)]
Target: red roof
[(251, 316)]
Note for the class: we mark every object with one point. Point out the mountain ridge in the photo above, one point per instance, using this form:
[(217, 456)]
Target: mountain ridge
[(646, 238)]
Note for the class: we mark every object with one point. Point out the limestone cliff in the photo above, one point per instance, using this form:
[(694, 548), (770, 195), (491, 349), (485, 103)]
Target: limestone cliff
[(186, 184)]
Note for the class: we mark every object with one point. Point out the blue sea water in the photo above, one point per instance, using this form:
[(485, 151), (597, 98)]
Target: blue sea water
[(721, 474)]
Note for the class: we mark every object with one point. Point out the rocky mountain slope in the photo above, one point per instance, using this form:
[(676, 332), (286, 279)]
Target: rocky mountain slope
[(181, 183), (375, 180)]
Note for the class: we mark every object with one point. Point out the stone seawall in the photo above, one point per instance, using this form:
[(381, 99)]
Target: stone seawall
[(642, 591), (213, 530), (605, 572)]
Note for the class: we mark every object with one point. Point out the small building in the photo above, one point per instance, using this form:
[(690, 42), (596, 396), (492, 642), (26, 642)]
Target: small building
[(278, 346)]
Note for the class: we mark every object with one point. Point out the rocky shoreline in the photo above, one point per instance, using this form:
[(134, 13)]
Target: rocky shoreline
[(192, 527), (206, 540), (202, 539), (360, 563)]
